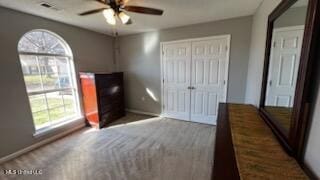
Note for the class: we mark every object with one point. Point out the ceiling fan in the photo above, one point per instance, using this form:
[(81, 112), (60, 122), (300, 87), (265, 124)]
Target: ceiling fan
[(117, 8)]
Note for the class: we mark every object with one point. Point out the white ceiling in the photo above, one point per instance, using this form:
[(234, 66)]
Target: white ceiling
[(176, 13)]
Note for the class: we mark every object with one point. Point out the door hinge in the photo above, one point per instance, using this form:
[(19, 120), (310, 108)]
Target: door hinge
[(227, 48), (163, 81), (163, 106), (162, 52), (274, 44)]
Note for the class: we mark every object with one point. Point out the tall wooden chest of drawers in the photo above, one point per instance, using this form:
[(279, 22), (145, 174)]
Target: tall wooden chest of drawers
[(103, 97)]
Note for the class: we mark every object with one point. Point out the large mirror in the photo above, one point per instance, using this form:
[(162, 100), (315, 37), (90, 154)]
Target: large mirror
[(290, 53), (284, 61)]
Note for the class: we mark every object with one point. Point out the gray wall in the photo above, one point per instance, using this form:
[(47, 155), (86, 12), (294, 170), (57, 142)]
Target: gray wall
[(258, 41), (292, 17), (312, 156), (92, 52), (255, 68), (257, 49), (139, 58)]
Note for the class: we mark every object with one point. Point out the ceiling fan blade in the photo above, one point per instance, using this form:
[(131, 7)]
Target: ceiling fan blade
[(102, 1), (123, 2), (92, 11), (144, 10)]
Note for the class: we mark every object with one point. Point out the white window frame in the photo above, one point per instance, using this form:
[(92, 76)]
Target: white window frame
[(73, 81)]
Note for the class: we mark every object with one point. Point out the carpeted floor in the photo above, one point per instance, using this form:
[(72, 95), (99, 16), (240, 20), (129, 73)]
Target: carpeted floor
[(135, 148)]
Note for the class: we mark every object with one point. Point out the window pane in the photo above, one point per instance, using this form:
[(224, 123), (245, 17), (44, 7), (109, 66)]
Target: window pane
[(58, 49), (64, 72), (31, 73), (38, 103), (57, 113), (45, 76), (40, 118), (53, 44), (41, 42), (49, 72), (69, 102), (61, 105), (26, 45), (55, 100)]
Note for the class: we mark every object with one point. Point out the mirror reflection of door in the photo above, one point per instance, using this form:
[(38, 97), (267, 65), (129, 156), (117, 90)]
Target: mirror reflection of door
[(284, 61), (284, 65)]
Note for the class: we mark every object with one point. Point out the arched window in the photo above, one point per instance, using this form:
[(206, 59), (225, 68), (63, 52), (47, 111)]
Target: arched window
[(49, 75)]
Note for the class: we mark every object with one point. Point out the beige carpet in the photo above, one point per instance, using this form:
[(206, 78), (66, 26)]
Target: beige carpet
[(135, 148)]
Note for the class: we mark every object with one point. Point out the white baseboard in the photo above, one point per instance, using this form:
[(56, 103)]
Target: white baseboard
[(142, 112), (41, 143)]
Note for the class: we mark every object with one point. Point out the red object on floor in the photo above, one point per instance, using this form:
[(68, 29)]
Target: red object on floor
[(90, 99), (103, 97)]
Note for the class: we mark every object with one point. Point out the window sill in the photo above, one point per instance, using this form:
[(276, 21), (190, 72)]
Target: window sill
[(49, 129)]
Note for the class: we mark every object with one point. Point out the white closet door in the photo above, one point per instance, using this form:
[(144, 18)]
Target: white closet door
[(176, 72), (284, 64), (209, 78)]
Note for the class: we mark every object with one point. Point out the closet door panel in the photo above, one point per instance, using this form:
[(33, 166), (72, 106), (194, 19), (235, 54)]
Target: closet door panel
[(176, 76), (208, 79), (195, 78)]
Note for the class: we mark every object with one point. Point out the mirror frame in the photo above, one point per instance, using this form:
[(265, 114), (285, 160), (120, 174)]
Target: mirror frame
[(294, 142)]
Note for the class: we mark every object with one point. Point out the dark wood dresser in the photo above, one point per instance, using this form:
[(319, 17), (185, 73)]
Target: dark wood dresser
[(103, 97), (246, 148)]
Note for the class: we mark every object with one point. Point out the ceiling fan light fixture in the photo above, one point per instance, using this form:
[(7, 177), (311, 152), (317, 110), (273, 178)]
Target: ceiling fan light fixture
[(124, 17), (111, 21), (113, 11), (109, 15)]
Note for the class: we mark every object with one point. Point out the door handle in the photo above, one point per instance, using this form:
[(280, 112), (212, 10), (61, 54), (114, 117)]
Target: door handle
[(193, 87), (189, 87)]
